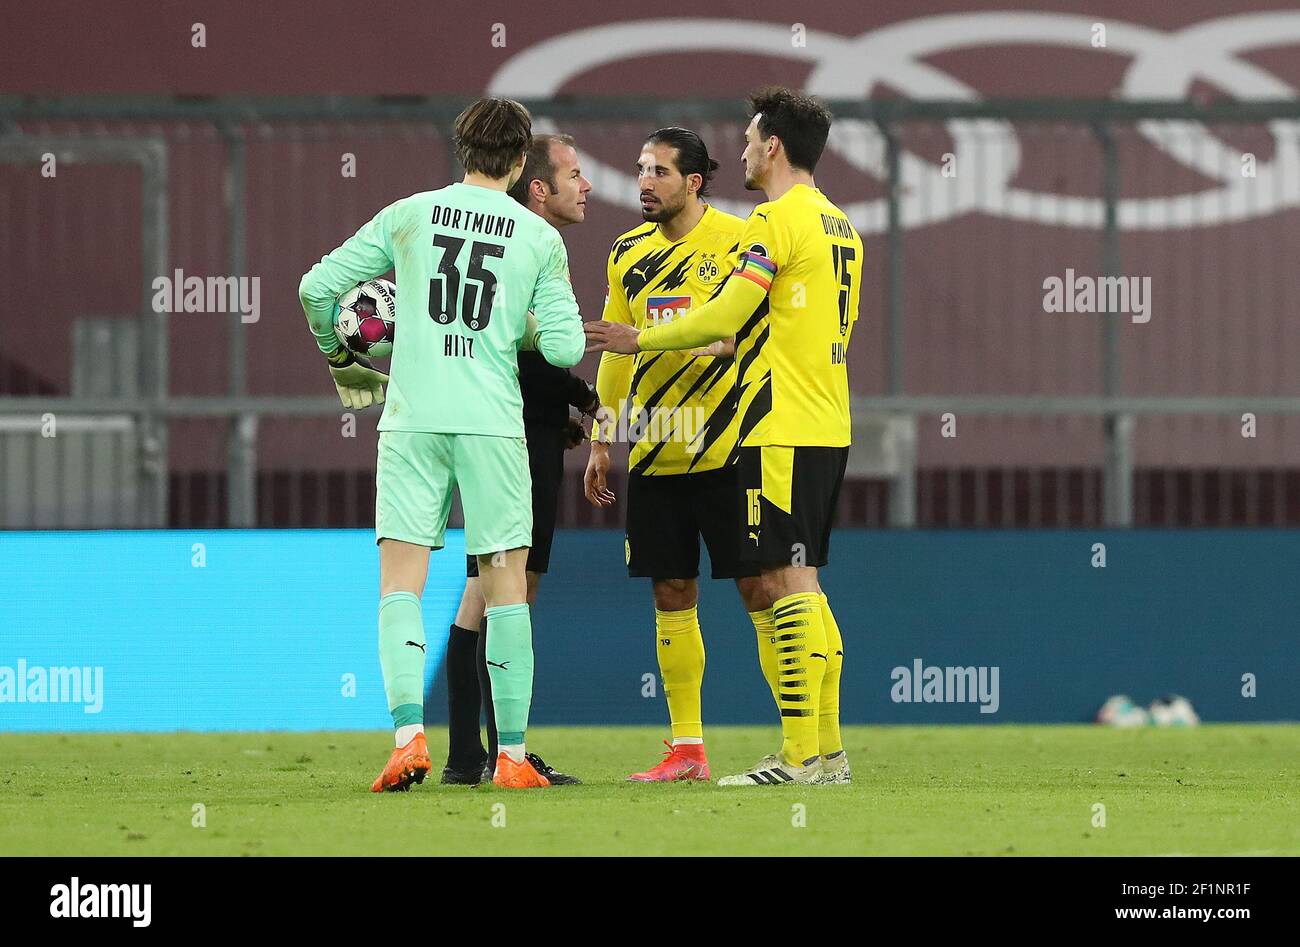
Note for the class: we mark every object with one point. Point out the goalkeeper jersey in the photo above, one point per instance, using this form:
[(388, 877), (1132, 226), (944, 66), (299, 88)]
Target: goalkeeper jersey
[(682, 417), (791, 303), (470, 263)]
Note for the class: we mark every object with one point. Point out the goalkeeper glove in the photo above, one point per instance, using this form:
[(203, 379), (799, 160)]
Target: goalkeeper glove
[(359, 385), (529, 342)]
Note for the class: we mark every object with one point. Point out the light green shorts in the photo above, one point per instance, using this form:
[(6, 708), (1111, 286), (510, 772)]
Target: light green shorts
[(414, 480)]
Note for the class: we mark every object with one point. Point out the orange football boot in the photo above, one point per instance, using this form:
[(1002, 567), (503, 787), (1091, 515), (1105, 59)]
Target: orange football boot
[(512, 775), (408, 764), (683, 761)]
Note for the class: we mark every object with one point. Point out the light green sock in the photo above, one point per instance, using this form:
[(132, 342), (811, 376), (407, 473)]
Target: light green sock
[(401, 656), (510, 666)]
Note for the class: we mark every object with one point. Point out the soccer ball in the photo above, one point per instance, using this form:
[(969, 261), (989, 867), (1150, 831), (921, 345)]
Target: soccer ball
[(1120, 711), (364, 318), (1173, 711)]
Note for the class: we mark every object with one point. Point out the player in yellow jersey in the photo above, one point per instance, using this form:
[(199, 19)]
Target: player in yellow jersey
[(791, 303), (682, 425)]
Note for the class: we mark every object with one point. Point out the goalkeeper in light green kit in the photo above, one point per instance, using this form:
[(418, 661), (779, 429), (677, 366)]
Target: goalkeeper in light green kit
[(471, 263)]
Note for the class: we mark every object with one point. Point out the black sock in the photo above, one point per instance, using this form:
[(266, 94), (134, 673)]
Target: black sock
[(485, 688), (463, 698)]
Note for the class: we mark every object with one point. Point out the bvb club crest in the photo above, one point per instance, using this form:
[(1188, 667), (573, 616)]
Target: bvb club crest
[(707, 271)]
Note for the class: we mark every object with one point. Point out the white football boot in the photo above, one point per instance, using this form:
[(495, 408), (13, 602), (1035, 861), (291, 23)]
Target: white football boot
[(834, 771), (774, 771)]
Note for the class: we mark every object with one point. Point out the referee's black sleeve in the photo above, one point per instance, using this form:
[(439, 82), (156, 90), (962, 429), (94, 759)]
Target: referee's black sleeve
[(581, 394), (548, 391)]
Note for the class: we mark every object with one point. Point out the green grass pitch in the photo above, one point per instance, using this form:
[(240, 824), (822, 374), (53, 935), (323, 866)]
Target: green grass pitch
[(993, 790)]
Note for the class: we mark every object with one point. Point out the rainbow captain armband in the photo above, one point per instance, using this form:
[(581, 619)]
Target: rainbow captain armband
[(756, 268)]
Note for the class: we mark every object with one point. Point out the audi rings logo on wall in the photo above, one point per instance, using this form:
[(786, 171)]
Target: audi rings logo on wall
[(1163, 65)]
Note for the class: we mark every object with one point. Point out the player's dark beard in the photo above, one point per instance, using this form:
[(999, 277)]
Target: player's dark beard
[(662, 213)]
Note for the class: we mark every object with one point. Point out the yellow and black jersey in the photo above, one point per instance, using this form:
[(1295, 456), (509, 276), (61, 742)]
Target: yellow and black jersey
[(682, 417), (791, 303)]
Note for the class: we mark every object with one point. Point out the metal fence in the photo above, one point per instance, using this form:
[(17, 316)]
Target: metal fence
[(974, 404)]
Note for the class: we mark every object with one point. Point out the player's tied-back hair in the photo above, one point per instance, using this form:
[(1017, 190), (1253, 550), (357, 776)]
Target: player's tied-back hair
[(538, 166), (692, 154), (491, 134), (799, 121)]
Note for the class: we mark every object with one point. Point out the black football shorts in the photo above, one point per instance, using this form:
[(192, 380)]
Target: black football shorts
[(788, 498), (667, 516)]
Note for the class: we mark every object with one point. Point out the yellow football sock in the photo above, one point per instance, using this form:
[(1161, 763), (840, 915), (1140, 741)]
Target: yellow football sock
[(801, 664), (766, 630), (680, 649), (828, 710)]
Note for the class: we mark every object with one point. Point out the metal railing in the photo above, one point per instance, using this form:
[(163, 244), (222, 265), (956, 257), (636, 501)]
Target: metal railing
[(108, 132)]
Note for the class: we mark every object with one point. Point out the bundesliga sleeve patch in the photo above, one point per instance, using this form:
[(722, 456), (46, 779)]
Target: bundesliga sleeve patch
[(756, 267)]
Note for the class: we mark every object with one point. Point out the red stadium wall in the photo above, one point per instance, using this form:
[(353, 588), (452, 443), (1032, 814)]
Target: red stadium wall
[(410, 47), (1224, 280)]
